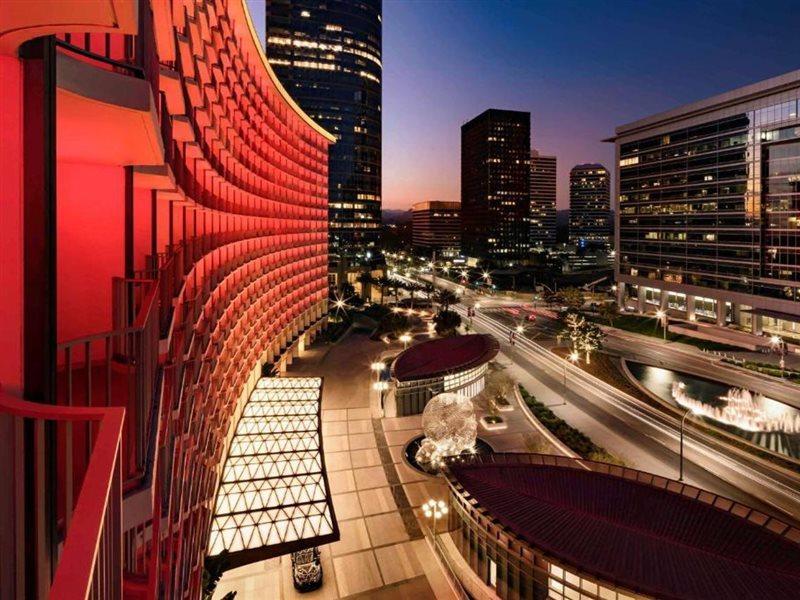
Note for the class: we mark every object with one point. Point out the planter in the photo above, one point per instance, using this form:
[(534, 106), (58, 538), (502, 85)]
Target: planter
[(493, 423)]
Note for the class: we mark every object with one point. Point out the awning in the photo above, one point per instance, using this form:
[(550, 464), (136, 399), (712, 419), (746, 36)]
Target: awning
[(274, 496)]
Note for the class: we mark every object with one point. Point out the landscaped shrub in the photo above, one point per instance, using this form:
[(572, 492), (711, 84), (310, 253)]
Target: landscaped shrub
[(575, 439)]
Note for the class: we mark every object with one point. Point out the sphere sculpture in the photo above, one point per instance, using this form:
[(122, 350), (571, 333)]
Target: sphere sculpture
[(450, 428)]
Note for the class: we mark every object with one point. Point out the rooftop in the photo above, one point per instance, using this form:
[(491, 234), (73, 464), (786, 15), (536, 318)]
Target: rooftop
[(648, 538), (443, 356)]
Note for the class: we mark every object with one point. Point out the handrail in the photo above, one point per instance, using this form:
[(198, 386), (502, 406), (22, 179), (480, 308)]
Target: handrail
[(98, 507)]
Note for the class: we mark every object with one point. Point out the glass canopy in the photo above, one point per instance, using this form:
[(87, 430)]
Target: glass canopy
[(273, 496)]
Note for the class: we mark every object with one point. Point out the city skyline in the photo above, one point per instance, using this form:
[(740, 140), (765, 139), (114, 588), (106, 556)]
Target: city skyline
[(549, 59)]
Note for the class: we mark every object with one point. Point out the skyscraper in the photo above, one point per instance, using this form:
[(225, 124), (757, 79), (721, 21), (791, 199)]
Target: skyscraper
[(328, 56), (543, 200), (589, 206), (495, 186), (709, 209)]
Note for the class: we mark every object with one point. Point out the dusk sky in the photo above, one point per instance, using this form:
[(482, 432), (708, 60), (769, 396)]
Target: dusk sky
[(580, 68)]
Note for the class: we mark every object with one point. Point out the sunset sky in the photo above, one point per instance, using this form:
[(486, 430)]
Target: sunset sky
[(580, 67)]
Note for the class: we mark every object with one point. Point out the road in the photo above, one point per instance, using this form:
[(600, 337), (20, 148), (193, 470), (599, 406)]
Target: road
[(646, 438)]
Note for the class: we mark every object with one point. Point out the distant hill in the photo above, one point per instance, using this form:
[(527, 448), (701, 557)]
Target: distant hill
[(396, 216)]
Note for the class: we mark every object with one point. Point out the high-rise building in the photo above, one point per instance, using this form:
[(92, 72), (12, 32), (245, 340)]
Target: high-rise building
[(543, 200), (436, 227), (327, 53), (589, 206), (495, 186), (164, 224), (708, 221)]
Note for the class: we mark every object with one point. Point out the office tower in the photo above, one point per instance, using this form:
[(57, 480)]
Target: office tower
[(495, 186), (708, 218), (543, 200), (589, 206), (436, 227), (164, 220), (328, 56)]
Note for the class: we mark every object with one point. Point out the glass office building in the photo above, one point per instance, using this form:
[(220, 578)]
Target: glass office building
[(709, 207), (328, 56), (589, 206), (495, 186), (543, 200)]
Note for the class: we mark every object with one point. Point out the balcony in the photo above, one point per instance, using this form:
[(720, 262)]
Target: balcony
[(76, 450)]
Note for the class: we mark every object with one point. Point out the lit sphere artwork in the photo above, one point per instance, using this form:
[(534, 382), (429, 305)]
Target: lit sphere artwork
[(450, 428)]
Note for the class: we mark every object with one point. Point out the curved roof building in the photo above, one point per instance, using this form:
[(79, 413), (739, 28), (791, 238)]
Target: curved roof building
[(571, 527), (451, 364)]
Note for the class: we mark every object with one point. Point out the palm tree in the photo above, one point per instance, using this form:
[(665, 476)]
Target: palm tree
[(366, 280), (383, 284), (446, 299)]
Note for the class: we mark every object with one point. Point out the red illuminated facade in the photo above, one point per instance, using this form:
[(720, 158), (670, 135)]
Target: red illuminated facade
[(164, 241)]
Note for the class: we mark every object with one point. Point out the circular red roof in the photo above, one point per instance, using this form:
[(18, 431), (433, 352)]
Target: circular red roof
[(640, 537), (443, 356)]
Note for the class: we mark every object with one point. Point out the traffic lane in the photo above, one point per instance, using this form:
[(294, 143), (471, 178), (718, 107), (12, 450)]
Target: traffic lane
[(656, 442)]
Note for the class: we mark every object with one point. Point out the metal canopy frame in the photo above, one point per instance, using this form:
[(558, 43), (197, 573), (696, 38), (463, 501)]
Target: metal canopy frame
[(274, 496)]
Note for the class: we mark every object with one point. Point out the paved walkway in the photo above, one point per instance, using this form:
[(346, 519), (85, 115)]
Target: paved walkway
[(382, 552)]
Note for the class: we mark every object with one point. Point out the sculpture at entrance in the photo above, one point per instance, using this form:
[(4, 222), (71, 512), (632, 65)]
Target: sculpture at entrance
[(450, 428)]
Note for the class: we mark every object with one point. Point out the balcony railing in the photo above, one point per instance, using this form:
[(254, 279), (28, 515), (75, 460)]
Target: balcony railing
[(118, 368), (82, 446)]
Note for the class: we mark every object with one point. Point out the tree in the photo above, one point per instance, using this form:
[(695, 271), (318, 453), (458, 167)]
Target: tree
[(447, 322), (446, 299), (572, 298), (394, 324), (609, 311), (585, 337), (366, 280), (383, 283), (346, 290)]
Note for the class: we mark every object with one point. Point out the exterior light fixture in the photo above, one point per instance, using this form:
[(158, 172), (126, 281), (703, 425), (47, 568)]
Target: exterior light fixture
[(434, 509)]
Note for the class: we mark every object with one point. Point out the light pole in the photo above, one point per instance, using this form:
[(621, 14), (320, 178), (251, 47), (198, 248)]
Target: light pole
[(662, 315), (434, 509), (778, 343), (683, 421), (377, 367), (405, 338)]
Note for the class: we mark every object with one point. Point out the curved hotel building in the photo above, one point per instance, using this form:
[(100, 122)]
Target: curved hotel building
[(164, 229), (708, 213)]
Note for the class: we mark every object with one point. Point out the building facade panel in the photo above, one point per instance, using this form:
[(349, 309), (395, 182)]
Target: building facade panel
[(180, 280)]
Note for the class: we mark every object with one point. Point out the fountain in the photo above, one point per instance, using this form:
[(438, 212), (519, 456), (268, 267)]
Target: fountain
[(742, 409)]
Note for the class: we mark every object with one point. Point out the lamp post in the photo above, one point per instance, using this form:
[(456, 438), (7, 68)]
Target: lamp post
[(777, 342), (377, 367), (405, 338), (434, 509), (683, 421), (662, 316)]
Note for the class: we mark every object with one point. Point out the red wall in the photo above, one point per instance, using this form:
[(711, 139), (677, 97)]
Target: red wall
[(91, 245), (11, 248)]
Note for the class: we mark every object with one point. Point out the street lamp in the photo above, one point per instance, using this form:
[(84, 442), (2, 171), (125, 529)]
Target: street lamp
[(434, 509), (377, 367), (683, 421), (662, 316), (777, 342), (405, 338), (573, 358)]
